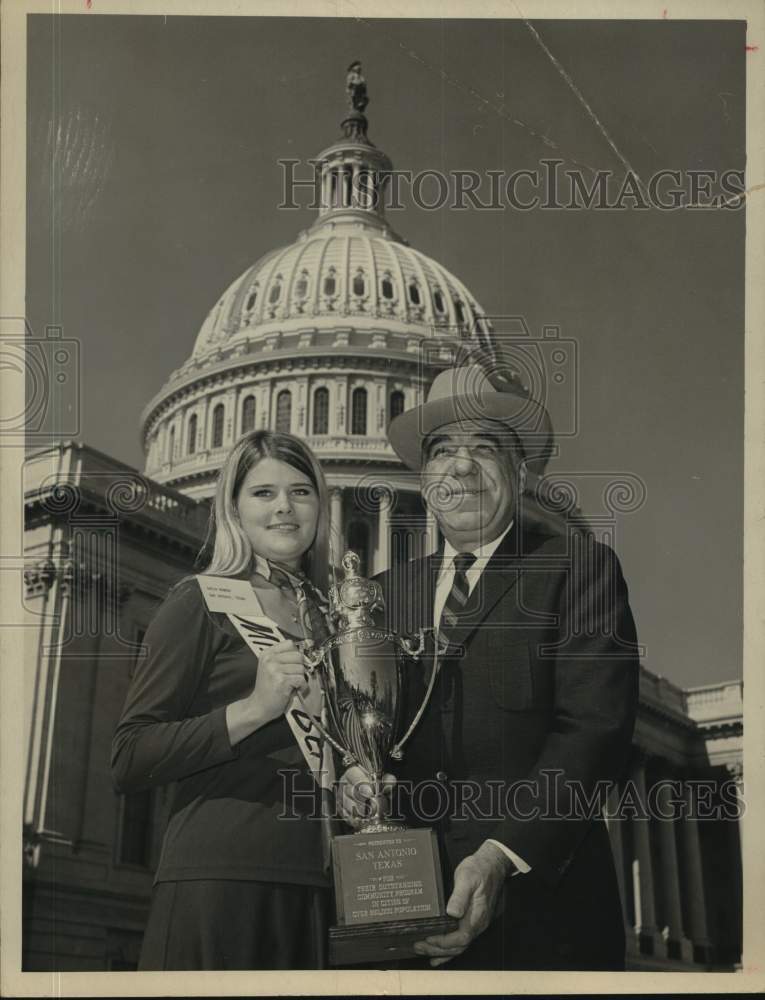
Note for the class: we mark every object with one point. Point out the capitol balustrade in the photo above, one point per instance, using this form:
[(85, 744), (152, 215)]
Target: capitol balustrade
[(67, 476), (715, 702), (352, 444), (336, 446)]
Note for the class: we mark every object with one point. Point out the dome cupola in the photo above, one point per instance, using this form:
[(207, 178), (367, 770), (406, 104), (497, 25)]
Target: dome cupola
[(354, 172)]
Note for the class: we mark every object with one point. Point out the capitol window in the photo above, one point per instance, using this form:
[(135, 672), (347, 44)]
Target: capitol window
[(330, 285), (284, 411), (192, 434), (359, 411), (387, 288), (460, 310), (359, 284), (252, 299), (301, 286), (395, 404), (321, 411), (248, 414), (217, 426), (276, 291), (438, 301), (414, 294)]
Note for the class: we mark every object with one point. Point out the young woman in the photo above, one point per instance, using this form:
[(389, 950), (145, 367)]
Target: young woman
[(237, 887)]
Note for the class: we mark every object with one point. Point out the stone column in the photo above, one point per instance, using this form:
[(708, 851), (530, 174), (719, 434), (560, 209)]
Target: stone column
[(615, 827), (336, 524), (339, 419), (230, 418), (326, 189), (736, 774), (382, 554), (265, 406), (677, 946), (302, 406), (160, 458), (203, 431), (432, 534), (694, 879), (355, 188), (642, 867), (46, 580)]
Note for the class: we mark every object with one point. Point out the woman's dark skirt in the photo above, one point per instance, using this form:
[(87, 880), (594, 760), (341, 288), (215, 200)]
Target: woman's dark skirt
[(218, 924)]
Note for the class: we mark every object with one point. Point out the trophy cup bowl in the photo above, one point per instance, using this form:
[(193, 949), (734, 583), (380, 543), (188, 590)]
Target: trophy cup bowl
[(388, 886)]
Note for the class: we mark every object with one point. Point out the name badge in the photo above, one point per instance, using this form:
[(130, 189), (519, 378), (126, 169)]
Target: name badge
[(222, 593)]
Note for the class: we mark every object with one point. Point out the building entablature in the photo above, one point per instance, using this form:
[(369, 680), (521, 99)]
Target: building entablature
[(76, 485), (375, 358)]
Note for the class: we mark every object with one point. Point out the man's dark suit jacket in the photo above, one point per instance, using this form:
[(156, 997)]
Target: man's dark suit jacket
[(544, 690)]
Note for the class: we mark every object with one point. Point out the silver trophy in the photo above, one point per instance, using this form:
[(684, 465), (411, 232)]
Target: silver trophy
[(360, 672), (388, 884)]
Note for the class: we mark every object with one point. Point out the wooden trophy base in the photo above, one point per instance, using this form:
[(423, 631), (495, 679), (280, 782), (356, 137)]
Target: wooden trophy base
[(383, 943), (388, 895)]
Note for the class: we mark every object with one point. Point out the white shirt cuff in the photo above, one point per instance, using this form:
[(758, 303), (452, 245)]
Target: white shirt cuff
[(520, 864)]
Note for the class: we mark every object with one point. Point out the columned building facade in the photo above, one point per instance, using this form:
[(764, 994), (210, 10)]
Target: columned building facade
[(103, 545)]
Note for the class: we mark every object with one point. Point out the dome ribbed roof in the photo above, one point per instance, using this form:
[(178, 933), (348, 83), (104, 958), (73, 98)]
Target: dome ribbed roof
[(335, 272)]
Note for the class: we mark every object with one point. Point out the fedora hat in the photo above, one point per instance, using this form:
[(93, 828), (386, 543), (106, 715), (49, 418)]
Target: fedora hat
[(469, 393)]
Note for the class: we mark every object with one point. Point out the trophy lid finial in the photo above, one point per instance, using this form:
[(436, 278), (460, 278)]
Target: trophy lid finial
[(356, 598), (351, 563)]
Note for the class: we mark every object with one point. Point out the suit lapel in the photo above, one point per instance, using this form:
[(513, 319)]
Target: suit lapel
[(410, 600), (497, 579)]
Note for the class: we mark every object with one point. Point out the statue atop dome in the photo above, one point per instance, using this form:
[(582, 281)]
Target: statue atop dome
[(356, 87), (355, 124)]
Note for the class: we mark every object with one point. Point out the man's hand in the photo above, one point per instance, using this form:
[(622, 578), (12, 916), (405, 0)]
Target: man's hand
[(478, 882), (355, 796)]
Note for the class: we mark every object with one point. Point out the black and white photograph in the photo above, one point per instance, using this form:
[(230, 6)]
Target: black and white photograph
[(382, 454)]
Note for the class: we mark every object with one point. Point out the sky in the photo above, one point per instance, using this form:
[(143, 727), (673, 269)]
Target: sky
[(153, 182)]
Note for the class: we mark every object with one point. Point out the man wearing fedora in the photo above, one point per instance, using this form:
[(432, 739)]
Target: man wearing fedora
[(532, 712)]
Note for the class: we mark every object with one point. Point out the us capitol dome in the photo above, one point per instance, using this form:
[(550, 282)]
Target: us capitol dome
[(329, 338)]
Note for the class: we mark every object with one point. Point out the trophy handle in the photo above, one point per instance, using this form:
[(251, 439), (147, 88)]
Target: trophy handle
[(311, 657), (414, 645), (397, 752)]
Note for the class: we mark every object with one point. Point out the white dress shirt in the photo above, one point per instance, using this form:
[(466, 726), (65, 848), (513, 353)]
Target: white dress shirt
[(483, 554)]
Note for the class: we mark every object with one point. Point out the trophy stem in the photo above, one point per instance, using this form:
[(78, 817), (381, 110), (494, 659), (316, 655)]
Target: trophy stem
[(397, 751), (379, 821)]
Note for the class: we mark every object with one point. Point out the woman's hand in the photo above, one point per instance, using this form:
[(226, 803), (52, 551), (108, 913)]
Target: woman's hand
[(281, 672), (355, 796)]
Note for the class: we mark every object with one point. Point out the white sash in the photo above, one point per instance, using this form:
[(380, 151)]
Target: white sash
[(238, 601)]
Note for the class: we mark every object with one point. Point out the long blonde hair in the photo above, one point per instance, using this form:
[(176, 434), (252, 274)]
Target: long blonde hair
[(232, 553)]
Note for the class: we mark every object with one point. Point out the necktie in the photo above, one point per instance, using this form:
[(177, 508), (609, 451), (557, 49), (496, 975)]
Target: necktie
[(458, 595), (451, 690)]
